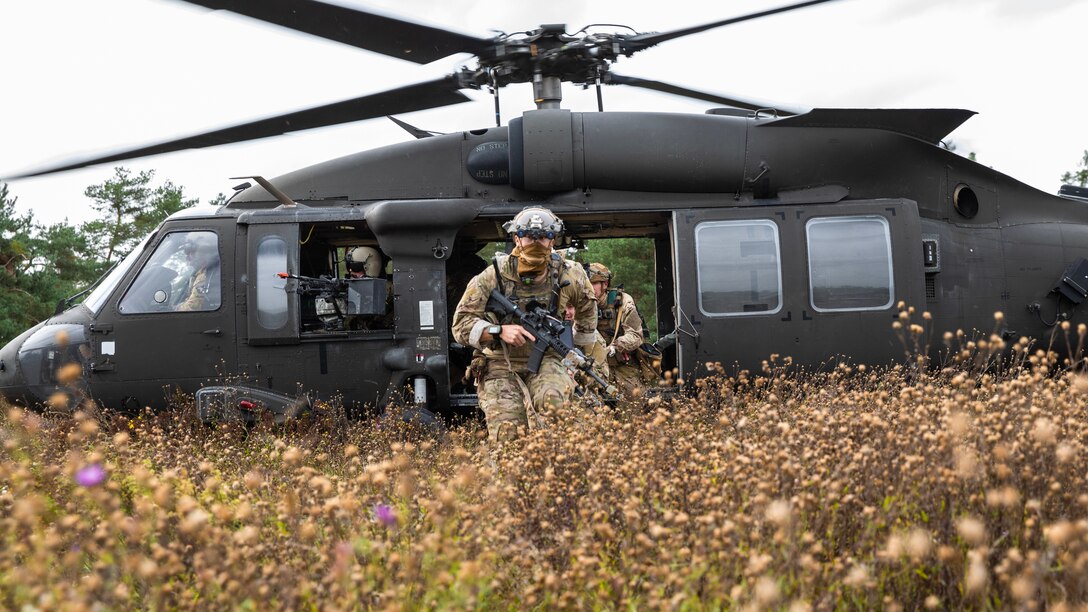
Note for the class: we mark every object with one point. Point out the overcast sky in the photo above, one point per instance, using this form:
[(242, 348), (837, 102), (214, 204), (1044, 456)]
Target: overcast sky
[(80, 77)]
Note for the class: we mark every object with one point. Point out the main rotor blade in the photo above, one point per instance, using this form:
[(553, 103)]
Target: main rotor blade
[(618, 79), (642, 41), (387, 35), (421, 96)]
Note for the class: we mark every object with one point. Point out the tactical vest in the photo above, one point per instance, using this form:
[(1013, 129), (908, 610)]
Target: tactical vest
[(607, 318), (544, 293)]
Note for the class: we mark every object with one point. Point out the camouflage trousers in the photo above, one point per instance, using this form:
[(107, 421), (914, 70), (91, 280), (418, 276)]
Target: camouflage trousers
[(513, 400), (627, 377), (599, 355)]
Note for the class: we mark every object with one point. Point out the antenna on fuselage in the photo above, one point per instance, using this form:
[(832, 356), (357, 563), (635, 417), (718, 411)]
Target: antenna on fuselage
[(270, 188)]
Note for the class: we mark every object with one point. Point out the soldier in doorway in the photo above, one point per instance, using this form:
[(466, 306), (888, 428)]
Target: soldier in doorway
[(621, 326), (512, 398)]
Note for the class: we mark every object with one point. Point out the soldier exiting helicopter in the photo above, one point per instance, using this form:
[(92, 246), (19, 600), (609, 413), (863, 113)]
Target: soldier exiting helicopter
[(531, 273), (621, 326)]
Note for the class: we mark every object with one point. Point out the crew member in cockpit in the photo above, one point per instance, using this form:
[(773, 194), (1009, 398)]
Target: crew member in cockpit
[(202, 256)]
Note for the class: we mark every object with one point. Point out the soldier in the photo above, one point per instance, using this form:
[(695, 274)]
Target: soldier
[(620, 324), (202, 255), (532, 272), (360, 262), (363, 262)]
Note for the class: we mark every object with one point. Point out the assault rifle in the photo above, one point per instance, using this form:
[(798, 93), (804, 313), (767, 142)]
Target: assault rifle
[(550, 332), (322, 286)]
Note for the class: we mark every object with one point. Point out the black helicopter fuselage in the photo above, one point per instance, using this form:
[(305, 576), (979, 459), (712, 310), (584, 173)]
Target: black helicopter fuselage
[(801, 237)]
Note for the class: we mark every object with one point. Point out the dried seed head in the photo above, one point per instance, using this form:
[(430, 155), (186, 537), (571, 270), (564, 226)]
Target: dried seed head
[(1045, 431), (778, 513), (972, 530), (292, 456), (977, 578), (69, 373), (253, 480), (858, 577), (919, 544), (1060, 533), (766, 592)]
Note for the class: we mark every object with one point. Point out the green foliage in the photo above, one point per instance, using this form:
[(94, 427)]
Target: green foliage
[(39, 265), (1078, 177), (129, 208), (63, 252), (14, 232), (631, 261), (18, 306), (218, 200)]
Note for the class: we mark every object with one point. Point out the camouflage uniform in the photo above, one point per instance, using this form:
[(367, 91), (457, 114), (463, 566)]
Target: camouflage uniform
[(508, 393), (621, 327), (599, 353), (203, 292)]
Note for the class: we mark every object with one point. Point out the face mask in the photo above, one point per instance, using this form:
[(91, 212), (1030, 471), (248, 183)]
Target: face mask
[(532, 259), (613, 297)]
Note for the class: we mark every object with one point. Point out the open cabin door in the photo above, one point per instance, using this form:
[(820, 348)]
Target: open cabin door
[(305, 340), (811, 282)]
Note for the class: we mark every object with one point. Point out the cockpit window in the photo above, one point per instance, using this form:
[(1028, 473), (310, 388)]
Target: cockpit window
[(97, 298), (182, 275)]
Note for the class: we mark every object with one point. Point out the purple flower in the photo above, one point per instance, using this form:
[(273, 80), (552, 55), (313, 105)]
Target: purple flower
[(91, 475), (385, 515)]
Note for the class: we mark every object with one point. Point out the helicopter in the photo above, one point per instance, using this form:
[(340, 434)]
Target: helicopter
[(775, 230)]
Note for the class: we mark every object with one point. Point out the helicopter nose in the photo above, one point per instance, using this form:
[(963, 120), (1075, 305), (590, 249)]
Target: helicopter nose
[(36, 364), (12, 382)]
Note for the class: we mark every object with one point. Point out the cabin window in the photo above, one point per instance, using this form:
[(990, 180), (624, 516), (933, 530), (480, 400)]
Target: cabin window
[(739, 269), (271, 293), (849, 263), (182, 275)]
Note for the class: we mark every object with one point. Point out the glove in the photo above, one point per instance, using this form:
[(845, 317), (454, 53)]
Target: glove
[(611, 351), (665, 341)]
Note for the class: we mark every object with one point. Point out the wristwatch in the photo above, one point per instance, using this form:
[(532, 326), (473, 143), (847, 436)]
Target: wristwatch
[(496, 340)]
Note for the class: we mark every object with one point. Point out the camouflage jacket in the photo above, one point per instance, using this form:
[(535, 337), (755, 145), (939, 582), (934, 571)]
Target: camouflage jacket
[(623, 317), (471, 318), (203, 292)]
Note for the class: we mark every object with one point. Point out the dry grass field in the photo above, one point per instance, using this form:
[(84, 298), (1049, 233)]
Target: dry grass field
[(944, 488)]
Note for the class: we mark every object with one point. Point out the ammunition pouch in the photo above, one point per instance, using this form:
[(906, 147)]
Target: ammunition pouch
[(476, 369)]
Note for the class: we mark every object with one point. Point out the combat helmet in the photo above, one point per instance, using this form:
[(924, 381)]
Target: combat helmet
[(364, 259), (598, 272), (535, 222)]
